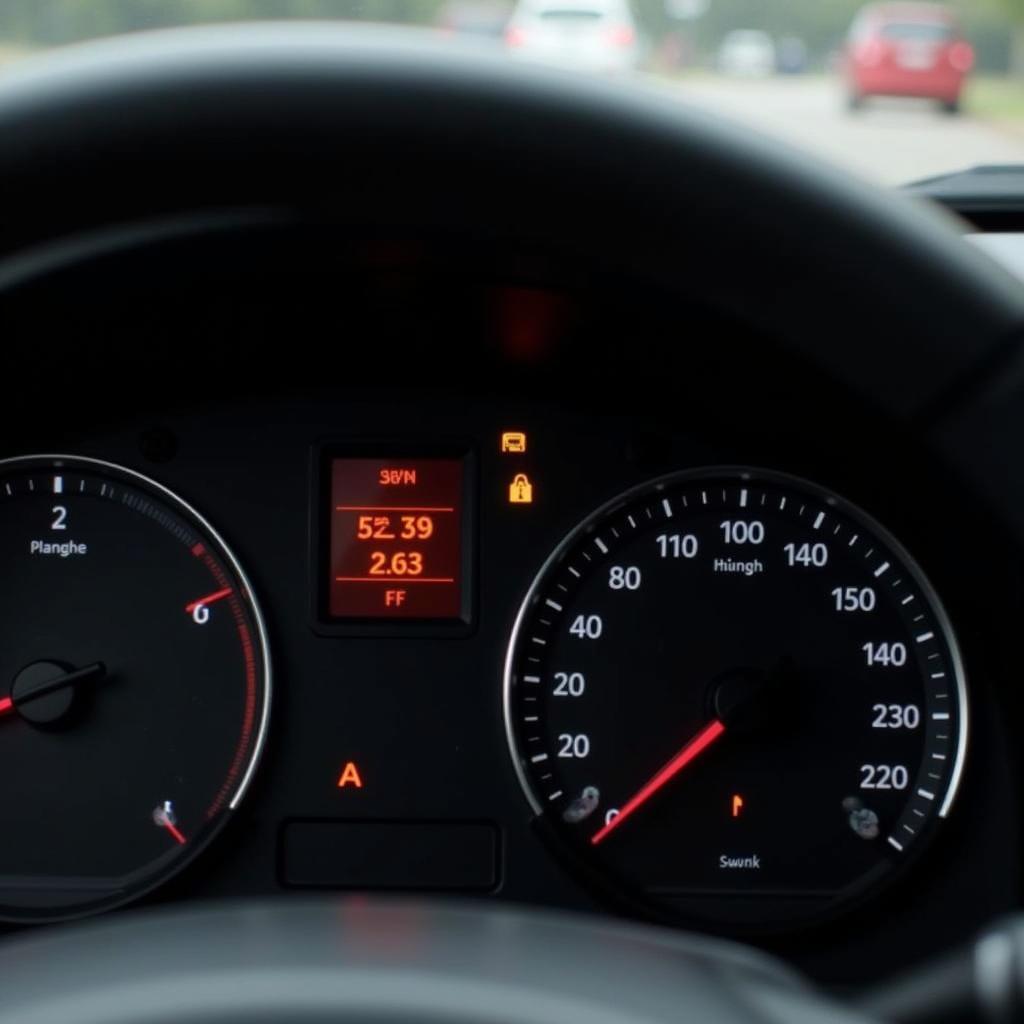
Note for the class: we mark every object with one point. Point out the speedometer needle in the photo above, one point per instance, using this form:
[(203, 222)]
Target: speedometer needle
[(693, 748)]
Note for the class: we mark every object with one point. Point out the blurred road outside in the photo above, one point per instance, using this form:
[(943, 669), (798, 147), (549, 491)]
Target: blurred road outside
[(891, 141)]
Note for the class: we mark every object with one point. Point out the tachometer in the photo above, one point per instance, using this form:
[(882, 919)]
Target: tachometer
[(734, 694), (134, 681)]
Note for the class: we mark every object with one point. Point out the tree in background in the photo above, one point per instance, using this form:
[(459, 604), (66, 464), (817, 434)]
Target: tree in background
[(820, 24), (1014, 10)]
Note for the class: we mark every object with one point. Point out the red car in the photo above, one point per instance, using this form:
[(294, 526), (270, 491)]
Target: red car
[(907, 49)]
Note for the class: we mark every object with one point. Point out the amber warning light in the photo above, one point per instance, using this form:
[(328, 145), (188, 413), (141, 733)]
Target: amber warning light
[(396, 538)]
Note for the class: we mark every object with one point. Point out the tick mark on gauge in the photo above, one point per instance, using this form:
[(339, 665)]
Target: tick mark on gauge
[(926, 794), (924, 637), (743, 498), (667, 507), (601, 546), (895, 843), (882, 569), (537, 758), (819, 520), (553, 604)]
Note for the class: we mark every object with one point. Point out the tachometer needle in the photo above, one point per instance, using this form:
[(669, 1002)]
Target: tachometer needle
[(43, 678), (693, 748)]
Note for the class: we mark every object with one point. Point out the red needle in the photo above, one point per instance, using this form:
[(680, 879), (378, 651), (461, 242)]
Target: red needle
[(6, 705), (700, 742), (175, 831), (209, 599)]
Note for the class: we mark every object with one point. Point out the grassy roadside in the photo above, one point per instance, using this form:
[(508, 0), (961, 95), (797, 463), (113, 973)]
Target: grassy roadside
[(996, 99), (9, 53)]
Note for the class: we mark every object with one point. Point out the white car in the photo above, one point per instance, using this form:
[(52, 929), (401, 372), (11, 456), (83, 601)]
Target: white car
[(589, 35), (747, 52)]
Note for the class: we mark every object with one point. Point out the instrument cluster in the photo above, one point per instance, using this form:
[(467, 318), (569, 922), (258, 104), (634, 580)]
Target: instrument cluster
[(499, 650)]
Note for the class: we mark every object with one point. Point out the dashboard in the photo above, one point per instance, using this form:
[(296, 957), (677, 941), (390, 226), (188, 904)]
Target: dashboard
[(407, 569), (391, 510)]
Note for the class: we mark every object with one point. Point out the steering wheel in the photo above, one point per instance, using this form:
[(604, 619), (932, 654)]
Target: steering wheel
[(381, 129)]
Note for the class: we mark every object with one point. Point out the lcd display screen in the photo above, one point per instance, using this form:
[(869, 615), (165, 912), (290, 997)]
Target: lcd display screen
[(396, 538)]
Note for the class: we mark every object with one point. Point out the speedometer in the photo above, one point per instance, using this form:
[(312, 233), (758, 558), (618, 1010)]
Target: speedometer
[(733, 694)]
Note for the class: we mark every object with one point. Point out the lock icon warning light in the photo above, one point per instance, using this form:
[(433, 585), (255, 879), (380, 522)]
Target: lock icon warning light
[(520, 491)]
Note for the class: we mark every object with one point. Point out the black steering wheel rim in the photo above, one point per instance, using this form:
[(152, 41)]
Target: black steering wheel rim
[(387, 128)]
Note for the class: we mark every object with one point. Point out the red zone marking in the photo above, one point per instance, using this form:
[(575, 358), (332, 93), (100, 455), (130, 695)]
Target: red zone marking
[(242, 751)]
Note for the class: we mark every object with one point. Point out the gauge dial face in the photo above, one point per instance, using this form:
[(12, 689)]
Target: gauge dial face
[(735, 696), (134, 682)]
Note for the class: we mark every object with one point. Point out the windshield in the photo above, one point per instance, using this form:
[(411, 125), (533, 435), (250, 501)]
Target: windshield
[(894, 92)]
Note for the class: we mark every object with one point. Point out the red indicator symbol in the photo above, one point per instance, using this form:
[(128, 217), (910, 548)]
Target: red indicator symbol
[(6, 705), (693, 748), (209, 599)]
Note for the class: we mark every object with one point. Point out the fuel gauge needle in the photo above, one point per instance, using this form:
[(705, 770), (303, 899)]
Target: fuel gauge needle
[(175, 832), (694, 747)]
